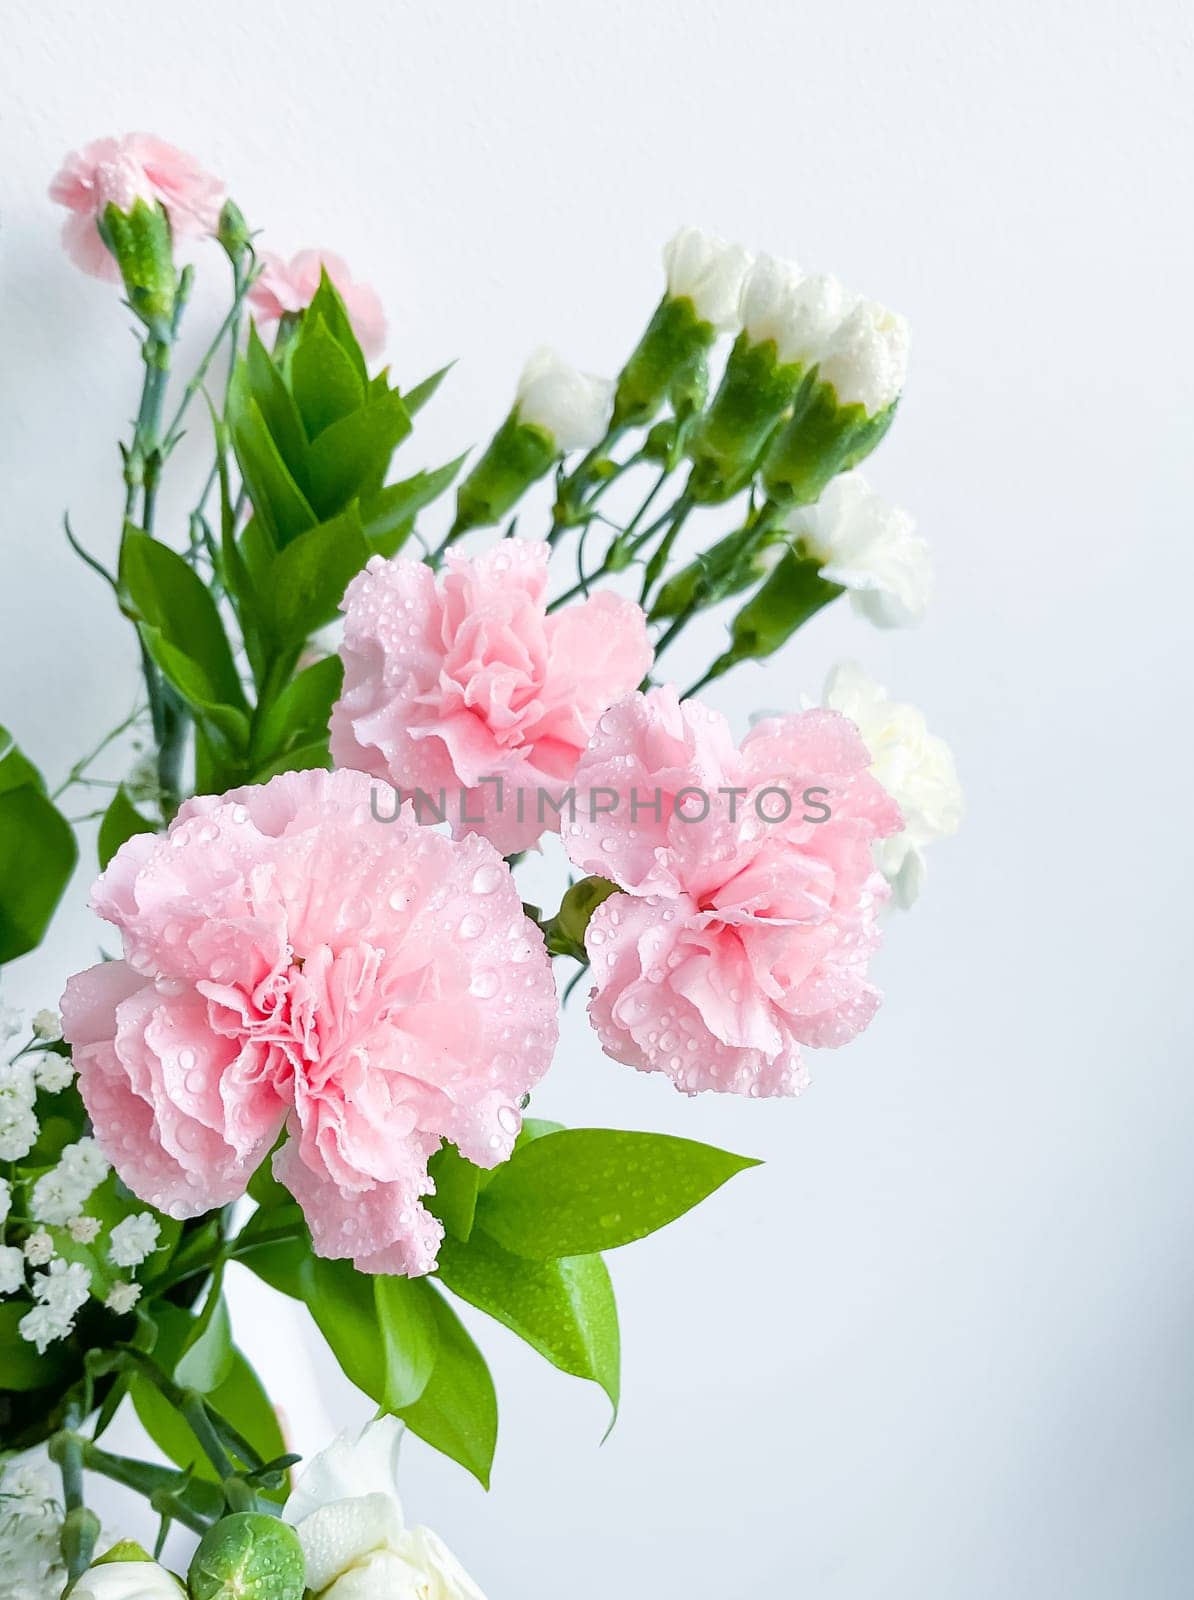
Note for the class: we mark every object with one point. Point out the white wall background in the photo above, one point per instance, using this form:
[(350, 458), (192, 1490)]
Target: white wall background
[(940, 1344)]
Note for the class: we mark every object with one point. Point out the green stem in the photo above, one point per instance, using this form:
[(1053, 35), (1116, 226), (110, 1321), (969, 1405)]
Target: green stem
[(80, 1526), (242, 282)]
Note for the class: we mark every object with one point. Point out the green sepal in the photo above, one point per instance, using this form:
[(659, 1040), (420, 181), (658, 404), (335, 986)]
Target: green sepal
[(755, 391), (793, 593), (668, 363), (565, 933), (518, 455), (139, 239), (819, 440), (248, 1556)]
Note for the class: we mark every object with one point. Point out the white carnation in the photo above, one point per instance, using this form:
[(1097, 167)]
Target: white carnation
[(799, 313), (707, 270), (346, 1512), (574, 407), (870, 548), (867, 360), (915, 766)]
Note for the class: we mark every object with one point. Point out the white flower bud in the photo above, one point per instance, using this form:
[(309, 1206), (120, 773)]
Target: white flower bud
[(708, 270), (47, 1025), (800, 314), (870, 548), (122, 1297), (867, 360), (39, 1248), (127, 1580), (574, 407), (914, 766)]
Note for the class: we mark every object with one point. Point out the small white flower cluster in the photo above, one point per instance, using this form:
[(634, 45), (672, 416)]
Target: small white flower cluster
[(870, 548), (60, 1194), (574, 407), (30, 1530), (59, 1293), (18, 1117), (861, 347)]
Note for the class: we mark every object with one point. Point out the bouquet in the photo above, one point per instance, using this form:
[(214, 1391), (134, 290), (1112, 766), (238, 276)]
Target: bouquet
[(323, 1006)]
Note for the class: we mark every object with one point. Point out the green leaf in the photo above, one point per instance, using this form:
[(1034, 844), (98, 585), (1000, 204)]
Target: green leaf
[(350, 458), (37, 856), (342, 1302), (584, 1190), (455, 1199), (168, 594), (323, 378), (121, 822), (418, 397), (267, 387), (409, 1337), (308, 578), (16, 769), (277, 499), (307, 758), (301, 713), (327, 306), (188, 677), (457, 1411), (206, 1358), (564, 1309), (392, 511)]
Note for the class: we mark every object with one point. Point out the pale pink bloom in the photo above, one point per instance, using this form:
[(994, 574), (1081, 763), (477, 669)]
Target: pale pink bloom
[(293, 964), (121, 171), (746, 931), (289, 286), (455, 680)]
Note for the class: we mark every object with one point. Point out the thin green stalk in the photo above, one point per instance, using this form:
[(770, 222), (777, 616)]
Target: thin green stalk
[(80, 1526)]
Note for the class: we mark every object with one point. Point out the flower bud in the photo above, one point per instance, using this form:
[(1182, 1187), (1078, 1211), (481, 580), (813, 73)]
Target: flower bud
[(250, 1555), (787, 323), (137, 1578), (139, 239), (704, 278), (232, 230), (841, 417), (557, 409), (565, 933)]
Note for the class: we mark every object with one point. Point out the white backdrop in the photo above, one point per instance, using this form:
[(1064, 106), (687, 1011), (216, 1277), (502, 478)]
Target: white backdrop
[(939, 1345)]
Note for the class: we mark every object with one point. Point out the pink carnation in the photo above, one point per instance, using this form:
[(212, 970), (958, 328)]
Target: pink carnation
[(290, 286), (121, 171), (745, 931), (454, 680), (293, 964)]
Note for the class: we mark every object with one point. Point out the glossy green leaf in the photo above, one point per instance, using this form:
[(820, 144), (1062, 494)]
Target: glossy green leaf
[(349, 459), (309, 577), (455, 1199), (301, 713), (229, 722), (207, 1356), (342, 1302), (277, 499), (267, 387), (324, 380), (394, 508), (306, 758), (167, 593), (418, 397), (584, 1190), (327, 307), (564, 1309), (121, 822), (37, 856), (16, 769), (409, 1337), (457, 1411)]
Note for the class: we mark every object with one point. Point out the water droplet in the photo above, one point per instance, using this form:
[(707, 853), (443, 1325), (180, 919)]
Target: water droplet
[(485, 984), (471, 925)]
